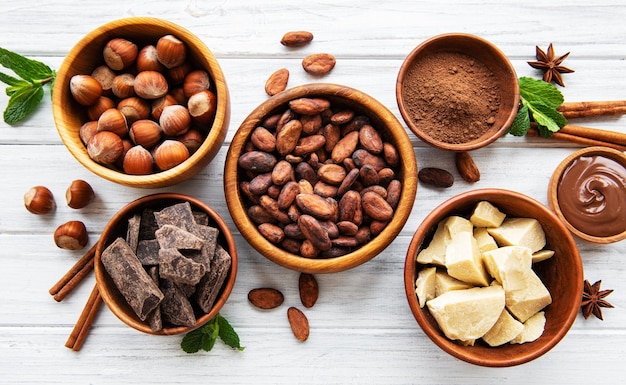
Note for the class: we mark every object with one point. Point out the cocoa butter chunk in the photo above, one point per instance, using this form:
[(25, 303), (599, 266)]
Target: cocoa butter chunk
[(210, 285), (154, 318), (148, 252), (148, 224), (178, 268), (179, 215), (131, 279), (132, 234), (170, 236), (176, 308)]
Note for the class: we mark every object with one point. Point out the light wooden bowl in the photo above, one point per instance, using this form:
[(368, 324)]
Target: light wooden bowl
[(86, 55), (484, 52), (553, 196), (381, 118), (117, 226), (562, 274)]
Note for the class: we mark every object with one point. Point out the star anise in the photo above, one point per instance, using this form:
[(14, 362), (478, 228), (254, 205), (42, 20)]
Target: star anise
[(593, 299), (551, 67)]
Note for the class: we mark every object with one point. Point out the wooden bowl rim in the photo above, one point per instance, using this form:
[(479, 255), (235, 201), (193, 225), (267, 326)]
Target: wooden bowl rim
[(355, 258), (607, 152), (197, 161), (465, 353), (456, 47), (146, 201)]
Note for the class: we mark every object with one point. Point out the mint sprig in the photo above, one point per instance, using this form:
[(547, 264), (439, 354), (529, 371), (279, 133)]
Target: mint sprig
[(205, 336), (540, 101), (26, 92)]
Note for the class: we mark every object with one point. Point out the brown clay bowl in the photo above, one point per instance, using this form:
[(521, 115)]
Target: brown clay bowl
[(482, 51), (556, 199), (338, 95), (117, 226), (86, 55), (562, 274)]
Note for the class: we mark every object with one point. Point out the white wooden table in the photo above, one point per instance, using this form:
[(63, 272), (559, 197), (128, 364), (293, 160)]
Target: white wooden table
[(362, 328)]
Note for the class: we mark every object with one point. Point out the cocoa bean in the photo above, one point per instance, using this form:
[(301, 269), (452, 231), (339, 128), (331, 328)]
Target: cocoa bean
[(344, 241), (347, 228), (291, 245), (315, 205), (266, 298), (309, 106), (273, 191), (341, 117), (349, 204), (368, 175), (292, 230), (332, 173), (305, 186), (436, 177), (257, 161), (282, 173), (309, 144), (319, 64), (394, 191), (390, 154), (311, 123), (332, 134), (309, 289), (271, 232), (348, 181), (385, 176), (296, 38), (271, 206), (305, 171), (260, 183), (287, 138), (314, 232), (370, 139), (263, 139), (345, 147), (308, 250), (362, 157), (277, 82), (325, 190), (376, 207), (287, 195), (259, 215)]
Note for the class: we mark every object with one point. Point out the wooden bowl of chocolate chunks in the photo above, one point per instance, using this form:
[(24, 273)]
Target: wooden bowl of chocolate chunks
[(166, 263)]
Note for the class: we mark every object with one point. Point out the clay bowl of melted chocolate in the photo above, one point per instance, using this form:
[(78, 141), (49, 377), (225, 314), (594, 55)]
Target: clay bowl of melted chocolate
[(562, 275), (166, 263), (342, 250), (457, 92), (588, 193)]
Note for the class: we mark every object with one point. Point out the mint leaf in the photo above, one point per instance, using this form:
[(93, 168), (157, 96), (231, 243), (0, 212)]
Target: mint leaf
[(228, 334), (521, 123), (535, 91), (27, 69), (548, 119), (205, 336), (22, 103)]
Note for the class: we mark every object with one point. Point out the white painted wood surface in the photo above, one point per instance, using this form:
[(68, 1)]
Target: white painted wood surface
[(362, 328)]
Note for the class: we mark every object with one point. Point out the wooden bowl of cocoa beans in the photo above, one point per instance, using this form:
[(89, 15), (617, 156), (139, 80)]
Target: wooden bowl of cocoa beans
[(141, 102), (320, 178), (457, 92), (166, 263), (538, 292)]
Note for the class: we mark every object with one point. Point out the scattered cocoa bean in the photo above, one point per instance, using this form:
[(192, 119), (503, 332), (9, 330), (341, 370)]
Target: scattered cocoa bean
[(436, 177), (299, 323), (266, 297), (277, 82), (309, 289), (296, 38), (319, 64)]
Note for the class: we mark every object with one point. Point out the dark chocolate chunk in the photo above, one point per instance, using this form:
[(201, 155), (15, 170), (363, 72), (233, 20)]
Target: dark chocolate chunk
[(172, 237), (211, 284), (205, 254), (148, 252), (131, 279), (176, 308), (132, 234), (178, 268), (201, 218), (154, 319), (148, 224), (179, 215)]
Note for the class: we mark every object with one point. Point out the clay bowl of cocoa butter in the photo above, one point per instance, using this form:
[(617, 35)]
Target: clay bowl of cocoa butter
[(150, 278), (112, 89), (561, 274), (587, 192), (320, 178), (457, 92)]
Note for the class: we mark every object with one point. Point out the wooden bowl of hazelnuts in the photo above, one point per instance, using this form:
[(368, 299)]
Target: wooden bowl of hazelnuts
[(141, 102)]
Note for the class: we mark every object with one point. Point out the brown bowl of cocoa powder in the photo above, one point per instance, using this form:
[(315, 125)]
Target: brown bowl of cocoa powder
[(457, 92), (320, 178)]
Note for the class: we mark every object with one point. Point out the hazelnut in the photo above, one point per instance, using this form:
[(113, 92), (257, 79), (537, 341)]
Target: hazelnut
[(113, 120), (138, 161), (175, 120), (87, 130), (104, 75), (119, 53), (105, 147), (71, 235), (196, 81), (94, 111), (192, 139), (202, 106), (150, 85), (159, 104), (123, 86), (179, 95), (145, 132), (171, 52), (170, 154), (127, 145), (39, 200), (147, 60), (85, 89), (79, 194), (134, 108), (177, 74)]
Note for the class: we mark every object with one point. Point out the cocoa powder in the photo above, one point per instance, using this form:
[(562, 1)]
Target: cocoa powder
[(451, 96)]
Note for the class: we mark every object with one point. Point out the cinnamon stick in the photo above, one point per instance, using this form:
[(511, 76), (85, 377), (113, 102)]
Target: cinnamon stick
[(85, 320), (578, 139), (74, 276), (589, 109), (595, 133)]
